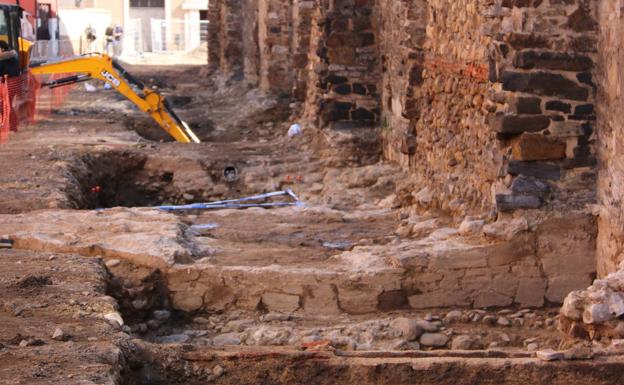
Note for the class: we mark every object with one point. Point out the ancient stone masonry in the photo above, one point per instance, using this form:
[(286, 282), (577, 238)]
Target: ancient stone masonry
[(348, 65), (433, 99), (611, 136), (251, 53), (303, 12), (214, 41), (275, 36), (540, 63), (490, 103), (225, 37)]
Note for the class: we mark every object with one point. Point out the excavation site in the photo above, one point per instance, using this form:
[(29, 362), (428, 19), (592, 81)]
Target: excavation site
[(333, 192)]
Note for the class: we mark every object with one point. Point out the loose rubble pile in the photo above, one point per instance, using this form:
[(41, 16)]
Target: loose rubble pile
[(524, 329), (597, 311)]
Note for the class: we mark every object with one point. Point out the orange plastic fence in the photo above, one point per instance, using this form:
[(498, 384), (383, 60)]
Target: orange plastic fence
[(24, 101)]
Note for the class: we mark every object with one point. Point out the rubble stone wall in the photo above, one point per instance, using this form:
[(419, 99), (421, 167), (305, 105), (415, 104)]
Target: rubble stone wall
[(225, 41), (541, 64), (610, 78), (433, 98), (251, 48), (214, 41), (303, 18), (275, 36), (341, 70), (491, 104)]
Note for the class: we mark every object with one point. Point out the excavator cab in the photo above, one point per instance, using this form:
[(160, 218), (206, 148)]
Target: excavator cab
[(10, 32)]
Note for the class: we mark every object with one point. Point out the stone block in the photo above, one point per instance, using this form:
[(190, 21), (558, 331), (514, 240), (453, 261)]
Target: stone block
[(521, 41), (549, 355), (544, 84), (406, 328), (526, 105), (187, 301), (284, 303), (520, 247), (567, 245), (584, 109), (436, 340), (321, 300), (535, 169), (490, 298), (517, 124), (524, 185), (358, 301), (531, 292), (363, 114), (517, 202), (582, 20), (558, 105), (566, 129), (550, 60), (453, 256), (538, 147), (596, 314)]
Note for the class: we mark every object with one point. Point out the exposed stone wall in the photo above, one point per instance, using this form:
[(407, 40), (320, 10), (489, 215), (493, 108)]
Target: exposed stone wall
[(231, 38), (348, 65), (433, 93), (541, 62), (275, 31), (214, 41), (342, 71), (491, 105), (303, 17), (610, 77), (251, 48), (225, 41)]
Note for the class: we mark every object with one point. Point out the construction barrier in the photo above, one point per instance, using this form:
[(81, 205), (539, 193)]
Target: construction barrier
[(24, 101)]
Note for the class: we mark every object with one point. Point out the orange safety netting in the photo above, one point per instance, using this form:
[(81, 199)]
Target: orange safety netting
[(24, 101)]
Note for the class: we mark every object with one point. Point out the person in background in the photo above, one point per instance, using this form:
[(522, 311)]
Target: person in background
[(28, 32), (90, 37), (118, 34), (109, 40)]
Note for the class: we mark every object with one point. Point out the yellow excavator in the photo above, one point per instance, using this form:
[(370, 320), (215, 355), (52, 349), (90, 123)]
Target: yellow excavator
[(93, 66)]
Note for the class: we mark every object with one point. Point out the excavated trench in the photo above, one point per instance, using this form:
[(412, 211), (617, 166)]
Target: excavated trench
[(134, 179)]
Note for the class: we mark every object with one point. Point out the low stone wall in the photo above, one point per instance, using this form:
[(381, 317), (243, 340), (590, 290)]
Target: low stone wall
[(516, 267)]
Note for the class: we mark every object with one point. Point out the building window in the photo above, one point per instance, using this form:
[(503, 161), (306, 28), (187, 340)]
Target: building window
[(147, 3)]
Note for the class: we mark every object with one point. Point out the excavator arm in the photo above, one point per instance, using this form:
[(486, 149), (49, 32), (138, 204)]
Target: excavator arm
[(103, 67)]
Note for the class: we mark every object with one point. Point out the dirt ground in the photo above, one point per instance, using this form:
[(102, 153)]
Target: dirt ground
[(78, 266)]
